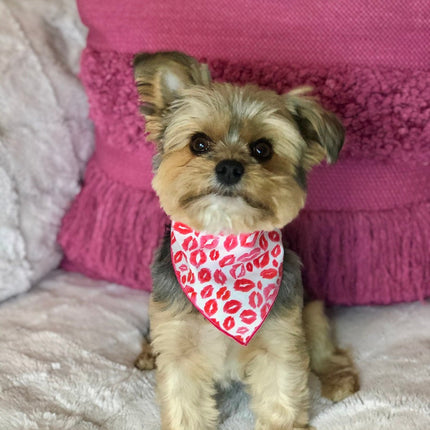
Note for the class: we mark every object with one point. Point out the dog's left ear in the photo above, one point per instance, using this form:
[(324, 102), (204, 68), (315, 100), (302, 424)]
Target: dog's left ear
[(321, 129), (160, 77)]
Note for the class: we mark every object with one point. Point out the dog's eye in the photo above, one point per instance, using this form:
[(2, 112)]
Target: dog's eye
[(261, 149), (200, 143)]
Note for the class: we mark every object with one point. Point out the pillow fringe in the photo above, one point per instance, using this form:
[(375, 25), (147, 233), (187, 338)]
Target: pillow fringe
[(109, 230), (364, 257)]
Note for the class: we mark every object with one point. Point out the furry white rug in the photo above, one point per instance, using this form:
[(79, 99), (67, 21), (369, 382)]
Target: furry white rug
[(67, 350)]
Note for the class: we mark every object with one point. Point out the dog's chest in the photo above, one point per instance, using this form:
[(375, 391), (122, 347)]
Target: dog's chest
[(223, 352)]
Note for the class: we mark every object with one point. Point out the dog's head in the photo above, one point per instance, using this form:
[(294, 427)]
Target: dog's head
[(230, 159)]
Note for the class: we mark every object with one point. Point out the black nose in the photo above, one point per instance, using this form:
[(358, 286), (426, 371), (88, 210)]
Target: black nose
[(229, 172)]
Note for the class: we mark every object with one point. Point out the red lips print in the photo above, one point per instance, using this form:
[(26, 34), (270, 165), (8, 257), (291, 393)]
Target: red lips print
[(262, 260), (219, 277), (248, 316), (182, 228), (248, 240), (208, 241), (230, 243), (214, 255), (211, 307), (264, 311), (243, 285), (269, 273), (233, 280), (232, 306), (207, 291), (255, 299), (223, 293), (264, 244), (190, 243), (270, 292), (189, 291), (227, 260), (178, 256), (238, 271), (228, 323), (197, 258), (248, 256), (274, 236), (204, 275), (276, 250), (191, 278)]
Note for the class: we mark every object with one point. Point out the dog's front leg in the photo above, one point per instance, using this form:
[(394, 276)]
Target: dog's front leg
[(276, 370), (184, 373)]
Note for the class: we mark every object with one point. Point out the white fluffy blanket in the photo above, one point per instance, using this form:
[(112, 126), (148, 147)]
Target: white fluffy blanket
[(67, 351), (45, 134)]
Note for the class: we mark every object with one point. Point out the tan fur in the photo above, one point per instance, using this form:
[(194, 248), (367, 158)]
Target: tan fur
[(276, 368), (189, 352), (153, 73), (319, 127), (192, 355), (334, 366), (185, 183), (280, 342), (179, 100), (146, 359)]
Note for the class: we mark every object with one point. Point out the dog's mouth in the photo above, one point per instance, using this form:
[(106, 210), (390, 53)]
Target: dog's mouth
[(188, 200)]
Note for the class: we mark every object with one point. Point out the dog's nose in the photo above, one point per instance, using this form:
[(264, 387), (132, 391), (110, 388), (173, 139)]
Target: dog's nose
[(229, 172)]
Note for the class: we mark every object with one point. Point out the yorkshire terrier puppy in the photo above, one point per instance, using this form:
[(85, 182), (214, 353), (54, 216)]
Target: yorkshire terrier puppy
[(227, 302)]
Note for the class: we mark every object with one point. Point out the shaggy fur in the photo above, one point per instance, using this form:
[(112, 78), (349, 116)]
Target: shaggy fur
[(198, 124)]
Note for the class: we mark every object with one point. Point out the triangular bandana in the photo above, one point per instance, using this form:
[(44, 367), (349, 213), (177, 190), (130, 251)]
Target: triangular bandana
[(232, 280)]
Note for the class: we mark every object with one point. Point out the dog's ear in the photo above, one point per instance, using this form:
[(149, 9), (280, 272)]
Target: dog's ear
[(160, 77), (321, 129)]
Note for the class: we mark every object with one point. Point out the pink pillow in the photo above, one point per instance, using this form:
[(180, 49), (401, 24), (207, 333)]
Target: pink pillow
[(362, 236)]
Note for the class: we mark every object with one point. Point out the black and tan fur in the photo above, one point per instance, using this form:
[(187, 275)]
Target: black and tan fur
[(180, 102)]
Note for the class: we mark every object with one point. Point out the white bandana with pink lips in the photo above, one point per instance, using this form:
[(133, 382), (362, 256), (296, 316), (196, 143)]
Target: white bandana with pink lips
[(232, 280)]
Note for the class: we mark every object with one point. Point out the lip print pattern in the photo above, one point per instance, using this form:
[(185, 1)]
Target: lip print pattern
[(244, 285), (190, 243), (232, 280), (255, 299), (248, 316), (227, 260), (219, 277), (214, 255), (232, 306), (262, 260), (208, 241), (204, 275), (207, 291)]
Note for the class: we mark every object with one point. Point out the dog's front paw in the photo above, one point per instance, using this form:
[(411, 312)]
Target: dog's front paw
[(146, 359), (340, 378)]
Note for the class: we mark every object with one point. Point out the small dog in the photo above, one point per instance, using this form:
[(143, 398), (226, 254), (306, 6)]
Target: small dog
[(227, 300)]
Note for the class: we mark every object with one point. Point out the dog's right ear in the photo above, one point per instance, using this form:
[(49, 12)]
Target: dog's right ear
[(160, 77)]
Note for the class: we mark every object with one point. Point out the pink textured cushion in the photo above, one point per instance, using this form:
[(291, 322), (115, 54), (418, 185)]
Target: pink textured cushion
[(362, 236)]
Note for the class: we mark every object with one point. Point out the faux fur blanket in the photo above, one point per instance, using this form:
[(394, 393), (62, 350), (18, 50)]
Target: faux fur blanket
[(45, 134), (67, 350)]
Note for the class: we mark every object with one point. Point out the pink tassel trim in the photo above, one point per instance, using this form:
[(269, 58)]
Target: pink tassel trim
[(364, 257), (111, 231)]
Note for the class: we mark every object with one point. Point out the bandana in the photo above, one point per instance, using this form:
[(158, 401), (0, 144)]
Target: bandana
[(232, 280)]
